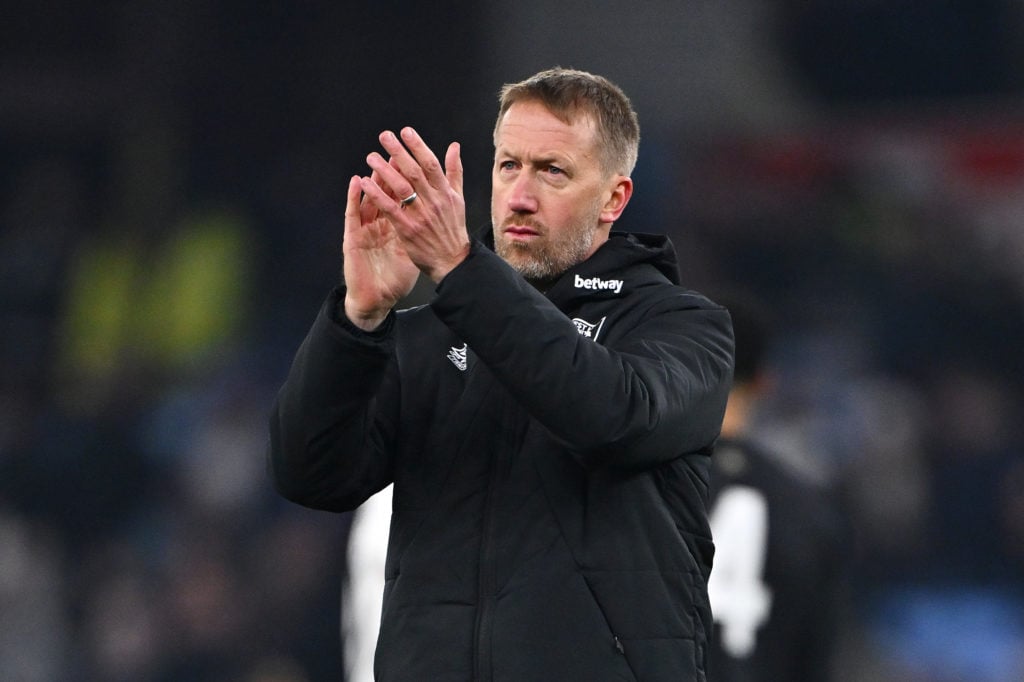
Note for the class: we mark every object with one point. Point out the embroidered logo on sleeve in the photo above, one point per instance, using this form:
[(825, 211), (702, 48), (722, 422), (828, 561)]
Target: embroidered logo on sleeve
[(459, 356), (589, 329)]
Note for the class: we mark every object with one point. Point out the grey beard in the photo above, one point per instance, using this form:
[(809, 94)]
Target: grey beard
[(547, 264)]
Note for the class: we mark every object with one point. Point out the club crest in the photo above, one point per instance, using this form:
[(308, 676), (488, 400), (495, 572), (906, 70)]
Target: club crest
[(589, 329)]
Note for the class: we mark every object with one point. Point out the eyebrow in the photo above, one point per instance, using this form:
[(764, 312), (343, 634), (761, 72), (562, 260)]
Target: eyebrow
[(551, 160), (545, 160)]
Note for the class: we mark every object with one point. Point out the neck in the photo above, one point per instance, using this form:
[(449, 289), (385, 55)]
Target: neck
[(544, 283)]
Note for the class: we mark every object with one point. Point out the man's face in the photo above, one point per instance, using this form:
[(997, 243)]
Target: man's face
[(548, 193)]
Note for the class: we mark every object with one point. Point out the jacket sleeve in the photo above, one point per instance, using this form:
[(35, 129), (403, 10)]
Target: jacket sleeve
[(330, 433), (660, 392)]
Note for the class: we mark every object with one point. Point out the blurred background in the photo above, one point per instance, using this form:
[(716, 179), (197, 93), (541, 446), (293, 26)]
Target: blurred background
[(172, 182)]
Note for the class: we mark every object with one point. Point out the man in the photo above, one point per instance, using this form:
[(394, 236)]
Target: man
[(546, 421), (777, 584)]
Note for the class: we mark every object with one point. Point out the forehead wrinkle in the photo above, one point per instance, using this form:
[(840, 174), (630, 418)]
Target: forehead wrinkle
[(567, 137)]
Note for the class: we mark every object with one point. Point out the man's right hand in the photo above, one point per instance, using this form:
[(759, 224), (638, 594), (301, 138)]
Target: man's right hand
[(378, 273)]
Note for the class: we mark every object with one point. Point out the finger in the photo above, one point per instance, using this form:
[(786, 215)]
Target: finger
[(369, 211), (376, 178), (388, 176), (380, 199), (426, 158), (401, 162), (414, 159), (353, 205), (453, 166)]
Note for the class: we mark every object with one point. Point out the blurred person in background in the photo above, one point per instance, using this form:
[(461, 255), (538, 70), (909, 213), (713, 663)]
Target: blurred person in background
[(366, 560), (777, 585), (547, 420)]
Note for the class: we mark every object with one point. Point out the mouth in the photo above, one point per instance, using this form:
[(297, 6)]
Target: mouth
[(520, 233)]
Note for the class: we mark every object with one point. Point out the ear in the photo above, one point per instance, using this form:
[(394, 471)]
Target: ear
[(620, 191)]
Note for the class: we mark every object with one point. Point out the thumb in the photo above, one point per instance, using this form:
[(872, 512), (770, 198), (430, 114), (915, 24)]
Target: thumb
[(352, 202), (453, 166)]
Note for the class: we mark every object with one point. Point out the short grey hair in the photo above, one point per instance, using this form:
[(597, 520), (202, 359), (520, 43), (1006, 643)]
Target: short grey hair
[(568, 93)]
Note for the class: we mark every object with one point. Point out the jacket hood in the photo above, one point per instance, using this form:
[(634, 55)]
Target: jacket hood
[(622, 249), (631, 248)]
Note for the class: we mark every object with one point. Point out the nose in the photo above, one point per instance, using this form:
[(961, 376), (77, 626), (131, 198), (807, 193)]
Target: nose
[(521, 196)]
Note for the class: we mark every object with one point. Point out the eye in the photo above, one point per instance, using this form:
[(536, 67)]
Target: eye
[(555, 170), (507, 165)]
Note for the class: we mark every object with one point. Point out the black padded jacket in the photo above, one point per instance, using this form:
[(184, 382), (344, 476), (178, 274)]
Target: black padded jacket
[(550, 456)]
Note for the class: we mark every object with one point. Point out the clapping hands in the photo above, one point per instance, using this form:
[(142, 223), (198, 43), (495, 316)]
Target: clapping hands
[(388, 242)]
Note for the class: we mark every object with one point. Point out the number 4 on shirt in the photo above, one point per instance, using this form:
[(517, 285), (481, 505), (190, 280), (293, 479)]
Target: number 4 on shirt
[(740, 600)]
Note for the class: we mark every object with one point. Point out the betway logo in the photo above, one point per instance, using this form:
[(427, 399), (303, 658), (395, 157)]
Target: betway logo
[(598, 284)]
